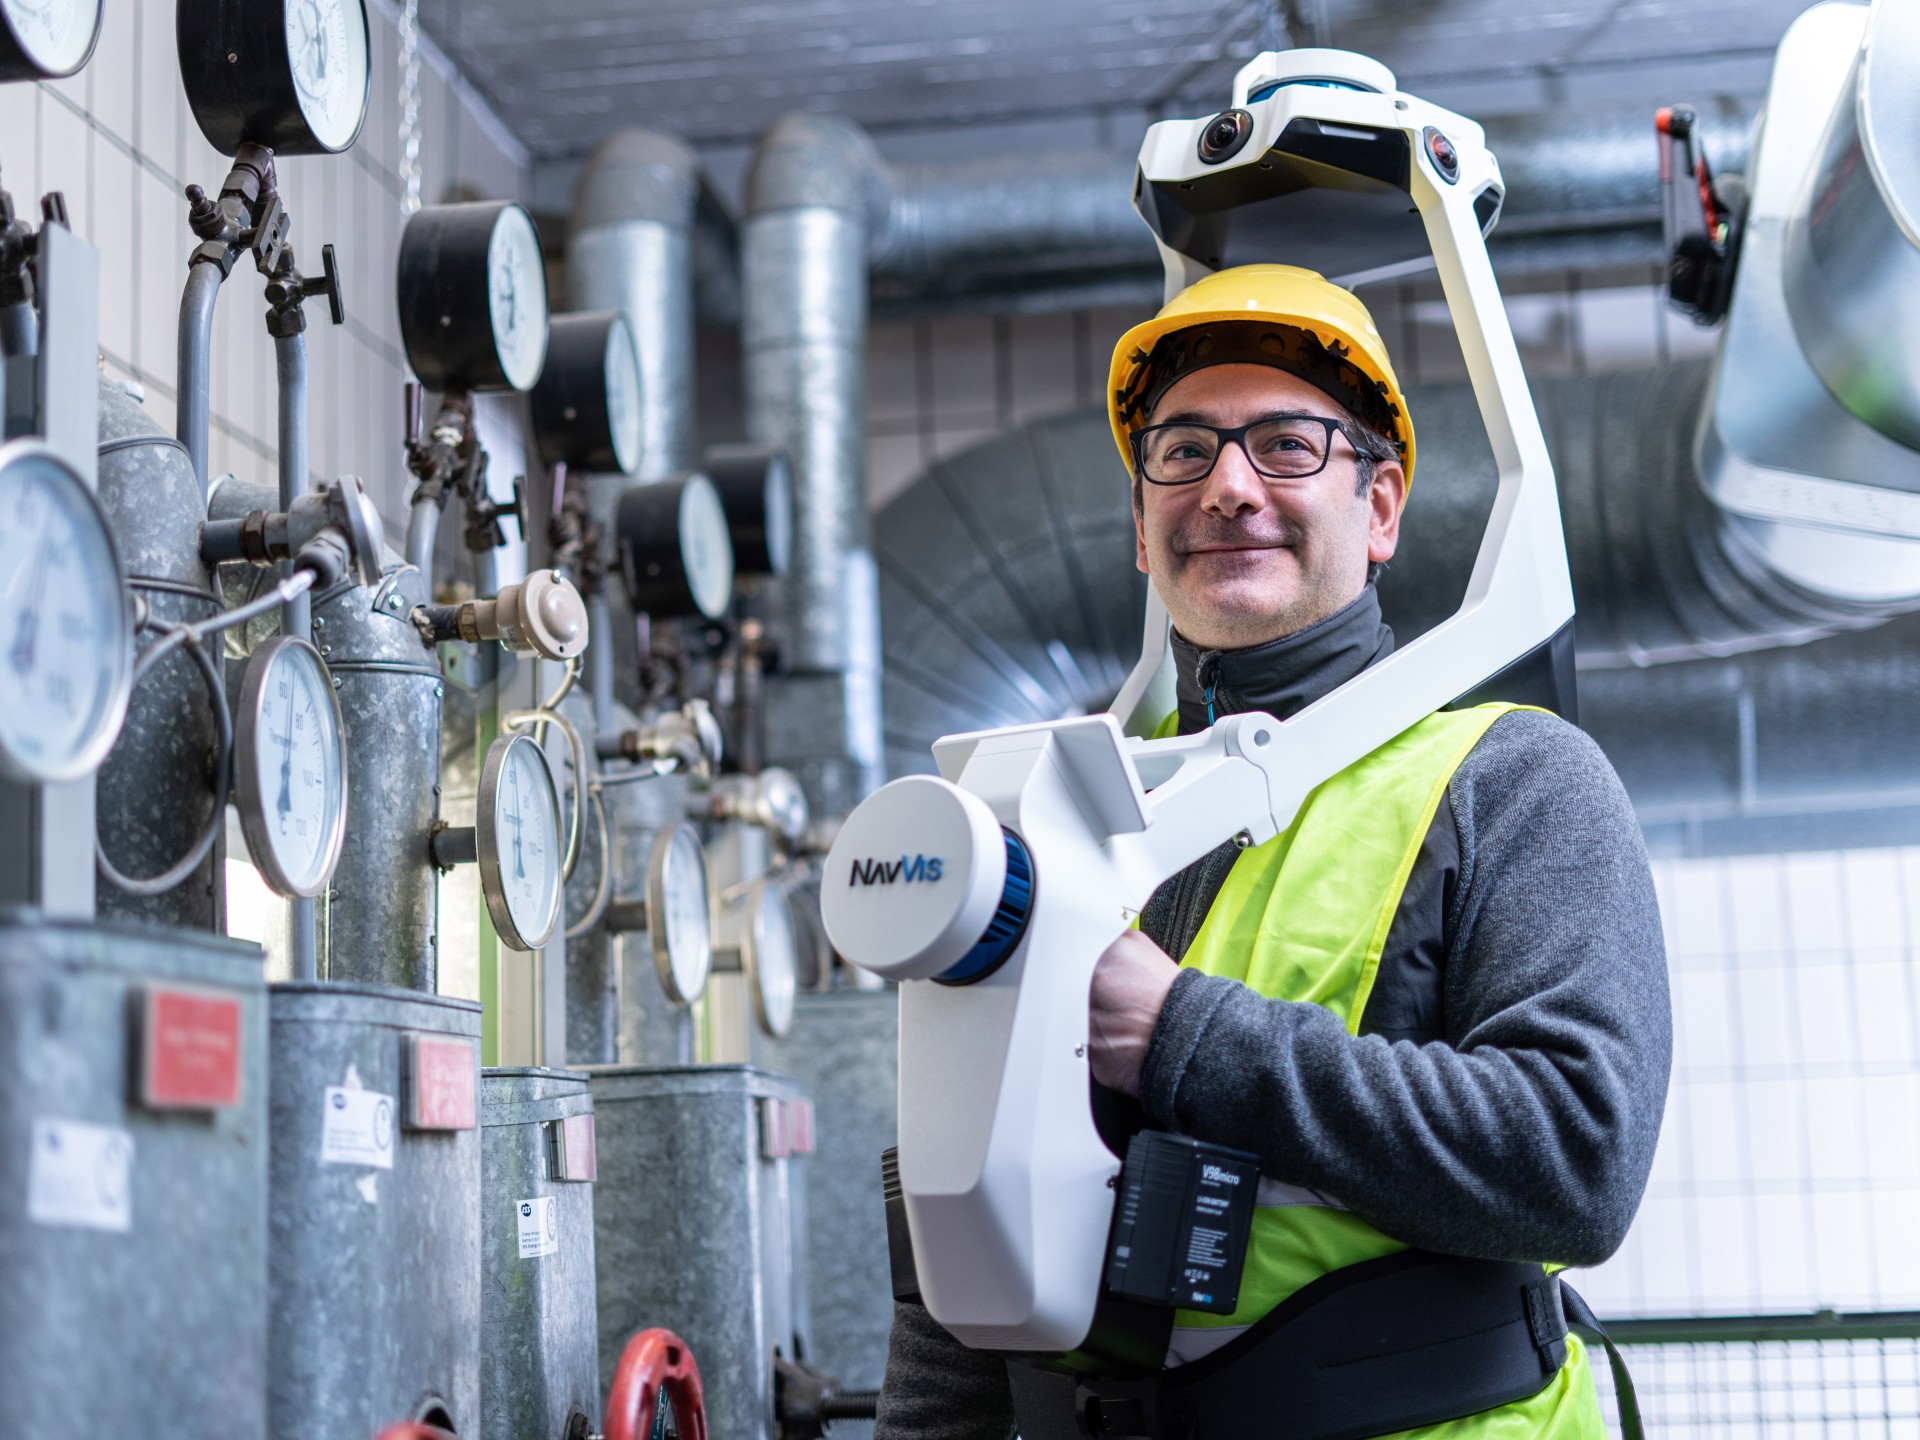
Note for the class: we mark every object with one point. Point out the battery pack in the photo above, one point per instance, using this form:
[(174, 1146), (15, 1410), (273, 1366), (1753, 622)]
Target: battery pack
[(1181, 1223)]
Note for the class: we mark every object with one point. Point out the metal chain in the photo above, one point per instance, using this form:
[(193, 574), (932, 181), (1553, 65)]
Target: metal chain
[(410, 107)]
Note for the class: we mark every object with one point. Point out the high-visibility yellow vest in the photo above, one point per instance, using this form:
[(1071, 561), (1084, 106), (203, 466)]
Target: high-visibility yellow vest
[(1305, 917)]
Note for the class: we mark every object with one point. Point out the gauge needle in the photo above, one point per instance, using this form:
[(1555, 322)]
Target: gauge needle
[(27, 629), (286, 764), (513, 818)]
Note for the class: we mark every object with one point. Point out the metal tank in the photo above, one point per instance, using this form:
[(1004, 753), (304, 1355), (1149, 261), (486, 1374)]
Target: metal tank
[(133, 1155), (376, 1211), (694, 1224), (154, 793), (539, 1336), (380, 909)]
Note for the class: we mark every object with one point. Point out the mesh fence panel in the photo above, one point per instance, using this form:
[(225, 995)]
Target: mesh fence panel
[(1852, 1389)]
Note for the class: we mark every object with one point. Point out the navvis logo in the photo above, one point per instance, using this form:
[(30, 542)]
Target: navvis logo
[(1214, 1175), (905, 870)]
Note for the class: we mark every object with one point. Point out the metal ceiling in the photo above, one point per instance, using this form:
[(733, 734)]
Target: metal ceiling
[(717, 72)]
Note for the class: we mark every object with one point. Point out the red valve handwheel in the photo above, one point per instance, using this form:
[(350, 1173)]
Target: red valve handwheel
[(653, 1360), (414, 1430)]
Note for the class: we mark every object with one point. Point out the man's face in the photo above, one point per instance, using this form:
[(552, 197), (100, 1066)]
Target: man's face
[(1240, 559)]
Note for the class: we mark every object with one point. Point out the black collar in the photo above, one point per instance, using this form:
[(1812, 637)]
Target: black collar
[(1284, 676)]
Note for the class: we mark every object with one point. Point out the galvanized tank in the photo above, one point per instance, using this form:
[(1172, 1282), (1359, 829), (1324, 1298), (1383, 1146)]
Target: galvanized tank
[(154, 793), (374, 1279), (694, 1229), (133, 1236), (379, 917), (539, 1337)]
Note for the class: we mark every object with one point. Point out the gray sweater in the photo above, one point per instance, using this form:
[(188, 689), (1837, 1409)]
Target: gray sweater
[(1505, 1095)]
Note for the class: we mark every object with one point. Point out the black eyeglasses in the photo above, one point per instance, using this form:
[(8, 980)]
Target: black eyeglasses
[(1280, 447)]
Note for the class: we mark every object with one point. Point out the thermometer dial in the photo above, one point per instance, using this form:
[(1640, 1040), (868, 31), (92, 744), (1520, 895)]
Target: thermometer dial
[(767, 956), (66, 645), (292, 75), (46, 39), (290, 769), (679, 923), (586, 407), (520, 842)]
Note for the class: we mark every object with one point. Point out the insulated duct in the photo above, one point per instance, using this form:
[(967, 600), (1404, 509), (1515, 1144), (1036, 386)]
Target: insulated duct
[(630, 249), (1010, 592), (813, 204)]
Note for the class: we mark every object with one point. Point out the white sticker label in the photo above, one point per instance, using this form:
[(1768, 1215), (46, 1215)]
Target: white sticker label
[(539, 1224), (358, 1129), (81, 1175)]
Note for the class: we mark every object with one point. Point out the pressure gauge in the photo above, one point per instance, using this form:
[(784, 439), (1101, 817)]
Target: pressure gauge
[(756, 490), (675, 552), (679, 925), (47, 39), (66, 642), (520, 844), (767, 955), (586, 408), (292, 75), (290, 768), (473, 297)]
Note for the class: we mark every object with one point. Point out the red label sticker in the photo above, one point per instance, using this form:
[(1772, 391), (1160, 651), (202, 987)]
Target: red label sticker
[(800, 1122), (190, 1055), (442, 1082), (577, 1158), (776, 1130)]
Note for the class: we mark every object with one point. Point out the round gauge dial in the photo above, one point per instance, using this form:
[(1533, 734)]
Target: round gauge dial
[(586, 405), (46, 39), (679, 924), (756, 487), (623, 395), (327, 45), (517, 297), (290, 772), (676, 553), (520, 842), (66, 644), (472, 292), (767, 955), (293, 75)]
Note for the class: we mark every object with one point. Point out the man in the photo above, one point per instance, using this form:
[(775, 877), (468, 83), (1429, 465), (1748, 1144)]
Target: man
[(1435, 1006)]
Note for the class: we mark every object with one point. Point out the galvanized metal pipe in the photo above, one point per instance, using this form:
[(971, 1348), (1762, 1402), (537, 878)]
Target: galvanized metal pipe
[(195, 377), (813, 203), (290, 366), (19, 329), (423, 532)]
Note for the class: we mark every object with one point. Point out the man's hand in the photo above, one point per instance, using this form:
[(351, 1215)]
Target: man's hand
[(1130, 984)]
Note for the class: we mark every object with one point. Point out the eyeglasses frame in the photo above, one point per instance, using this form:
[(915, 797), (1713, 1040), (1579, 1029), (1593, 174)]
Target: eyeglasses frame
[(1237, 435)]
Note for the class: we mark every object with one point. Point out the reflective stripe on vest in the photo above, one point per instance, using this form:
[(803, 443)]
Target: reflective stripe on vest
[(1305, 917)]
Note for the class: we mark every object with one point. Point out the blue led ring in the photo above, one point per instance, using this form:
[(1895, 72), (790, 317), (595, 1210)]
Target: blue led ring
[(1009, 923)]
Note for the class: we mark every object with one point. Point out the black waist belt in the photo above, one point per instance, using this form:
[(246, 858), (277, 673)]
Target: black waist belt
[(1408, 1339)]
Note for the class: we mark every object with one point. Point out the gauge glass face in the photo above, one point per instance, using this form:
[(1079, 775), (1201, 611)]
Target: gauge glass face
[(526, 828), (772, 957), (327, 49), (299, 770), (64, 642), (517, 297), (623, 396), (706, 548), (54, 33), (685, 927)]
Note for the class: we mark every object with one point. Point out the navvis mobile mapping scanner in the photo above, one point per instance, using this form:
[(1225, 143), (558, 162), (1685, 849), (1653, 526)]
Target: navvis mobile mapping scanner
[(989, 893)]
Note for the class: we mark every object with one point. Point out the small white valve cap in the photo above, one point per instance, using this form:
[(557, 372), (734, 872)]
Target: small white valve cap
[(913, 878)]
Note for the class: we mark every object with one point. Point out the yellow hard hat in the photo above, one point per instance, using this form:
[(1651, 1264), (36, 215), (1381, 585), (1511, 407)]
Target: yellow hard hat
[(1320, 332)]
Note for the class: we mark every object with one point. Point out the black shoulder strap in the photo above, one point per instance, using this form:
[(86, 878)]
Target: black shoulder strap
[(1581, 1320)]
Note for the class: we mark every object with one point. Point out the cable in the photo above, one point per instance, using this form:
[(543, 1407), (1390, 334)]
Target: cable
[(576, 749), (174, 636), (223, 778), (603, 894)]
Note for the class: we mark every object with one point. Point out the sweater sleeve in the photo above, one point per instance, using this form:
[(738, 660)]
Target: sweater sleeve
[(938, 1389), (1529, 1133)]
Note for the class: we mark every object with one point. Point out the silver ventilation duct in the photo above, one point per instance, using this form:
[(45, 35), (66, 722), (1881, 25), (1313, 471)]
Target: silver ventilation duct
[(813, 205), (630, 249)]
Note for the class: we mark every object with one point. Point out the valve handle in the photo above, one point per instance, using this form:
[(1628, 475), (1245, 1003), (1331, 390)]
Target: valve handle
[(336, 303), (414, 1430), (654, 1360)]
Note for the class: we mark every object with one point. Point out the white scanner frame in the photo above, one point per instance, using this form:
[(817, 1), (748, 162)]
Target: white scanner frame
[(1006, 1180)]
